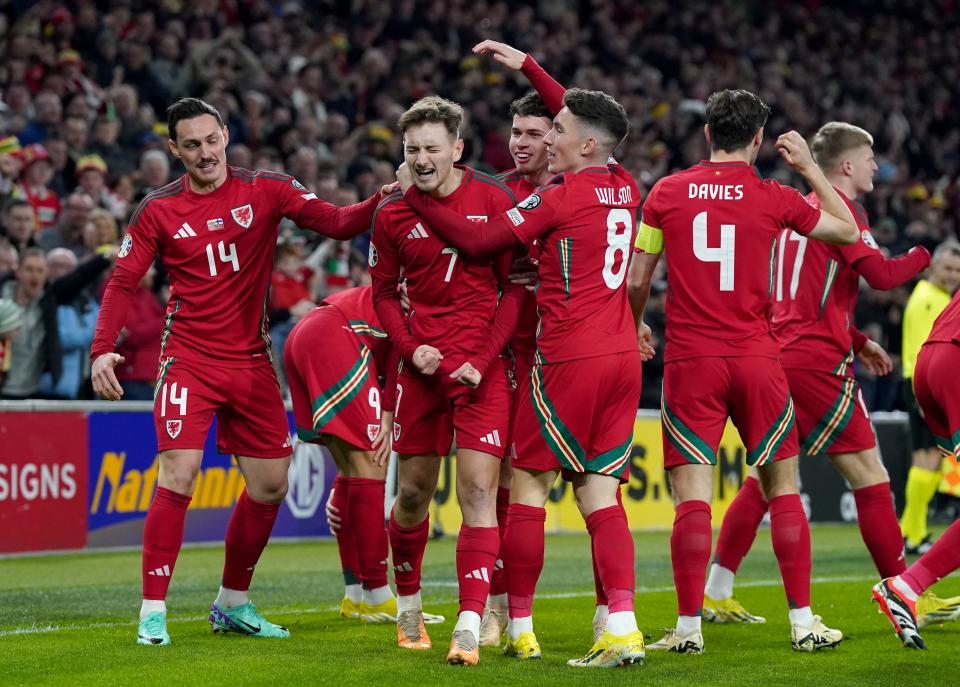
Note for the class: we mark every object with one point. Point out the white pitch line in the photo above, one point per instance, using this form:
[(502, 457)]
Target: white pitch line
[(48, 629)]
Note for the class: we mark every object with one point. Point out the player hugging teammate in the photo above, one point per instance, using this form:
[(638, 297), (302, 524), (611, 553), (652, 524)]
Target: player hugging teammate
[(373, 370)]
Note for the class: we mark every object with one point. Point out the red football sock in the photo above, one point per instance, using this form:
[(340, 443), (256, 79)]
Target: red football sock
[(498, 583), (690, 552), (162, 537), (597, 586), (247, 536), (740, 525), (523, 556), (790, 535), (408, 545), (612, 546), (477, 549), (941, 560), (346, 541), (369, 533), (880, 529)]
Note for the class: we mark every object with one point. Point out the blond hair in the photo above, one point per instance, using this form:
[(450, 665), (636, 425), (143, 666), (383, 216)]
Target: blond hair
[(433, 108), (834, 139)]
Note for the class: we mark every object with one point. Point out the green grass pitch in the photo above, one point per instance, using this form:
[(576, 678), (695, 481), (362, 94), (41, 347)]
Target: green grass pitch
[(69, 620)]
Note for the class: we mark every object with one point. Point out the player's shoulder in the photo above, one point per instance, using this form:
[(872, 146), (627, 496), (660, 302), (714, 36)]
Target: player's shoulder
[(491, 180), (859, 213), (263, 177), (163, 196), (391, 207), (511, 175)]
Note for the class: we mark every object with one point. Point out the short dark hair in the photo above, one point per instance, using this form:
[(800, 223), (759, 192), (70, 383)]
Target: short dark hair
[(734, 116), (15, 203), (530, 104), (188, 108), (601, 111), (31, 252)]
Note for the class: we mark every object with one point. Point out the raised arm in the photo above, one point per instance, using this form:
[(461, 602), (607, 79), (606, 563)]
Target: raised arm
[(836, 224), (882, 272), (546, 86)]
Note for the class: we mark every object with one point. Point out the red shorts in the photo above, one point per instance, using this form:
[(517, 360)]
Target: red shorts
[(831, 414), (935, 384), (520, 374), (699, 394), (333, 381), (577, 416), (251, 420), (430, 409)]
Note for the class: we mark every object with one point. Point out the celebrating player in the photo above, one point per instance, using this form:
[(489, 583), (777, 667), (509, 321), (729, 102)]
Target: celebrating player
[(718, 222), (935, 385), (452, 379), (583, 224), (532, 120), (215, 230), (816, 293)]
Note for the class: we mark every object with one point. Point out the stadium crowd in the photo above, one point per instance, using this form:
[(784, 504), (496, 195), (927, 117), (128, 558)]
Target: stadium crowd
[(315, 88)]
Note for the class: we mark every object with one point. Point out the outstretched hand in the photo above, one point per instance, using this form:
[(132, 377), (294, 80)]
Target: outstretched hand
[(505, 54)]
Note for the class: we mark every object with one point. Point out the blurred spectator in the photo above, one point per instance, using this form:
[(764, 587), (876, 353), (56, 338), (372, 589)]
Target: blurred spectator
[(18, 224), (9, 256), (69, 230), (154, 172), (92, 180), (36, 349), (139, 342), (34, 185), (11, 164), (11, 319), (48, 111), (76, 322)]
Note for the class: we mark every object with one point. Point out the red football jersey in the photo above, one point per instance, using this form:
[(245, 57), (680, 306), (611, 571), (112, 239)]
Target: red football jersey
[(524, 341), (816, 293), (946, 328), (584, 225), (453, 299), (356, 305), (218, 251), (718, 224)]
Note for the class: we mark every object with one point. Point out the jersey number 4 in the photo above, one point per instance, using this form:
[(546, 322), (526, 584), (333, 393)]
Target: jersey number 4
[(723, 254)]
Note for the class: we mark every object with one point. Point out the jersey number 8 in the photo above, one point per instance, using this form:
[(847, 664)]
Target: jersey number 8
[(619, 231)]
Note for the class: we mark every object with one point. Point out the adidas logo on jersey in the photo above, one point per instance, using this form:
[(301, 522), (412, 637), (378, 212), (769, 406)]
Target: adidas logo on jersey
[(493, 438), (403, 567), (160, 572), (185, 232), (478, 574), (418, 232)]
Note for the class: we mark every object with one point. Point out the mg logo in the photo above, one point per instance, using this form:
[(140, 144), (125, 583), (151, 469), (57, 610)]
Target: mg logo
[(306, 480)]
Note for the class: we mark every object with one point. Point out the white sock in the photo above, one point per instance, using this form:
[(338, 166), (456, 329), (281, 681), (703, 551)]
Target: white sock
[(468, 620), (354, 592), (621, 623), (719, 583), (900, 585), (497, 602), (687, 624), (517, 626), (801, 616), (375, 597), (601, 614), (409, 603), (231, 598), (150, 606)]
